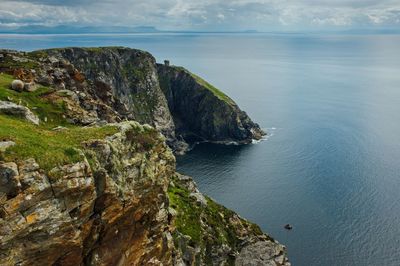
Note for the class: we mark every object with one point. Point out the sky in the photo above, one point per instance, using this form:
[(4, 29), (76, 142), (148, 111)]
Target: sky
[(210, 15)]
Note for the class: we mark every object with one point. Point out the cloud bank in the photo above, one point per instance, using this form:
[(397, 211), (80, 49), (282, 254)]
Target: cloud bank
[(263, 15)]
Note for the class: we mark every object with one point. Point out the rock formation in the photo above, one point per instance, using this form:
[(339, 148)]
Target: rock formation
[(114, 83), (86, 187), (217, 117), (10, 108)]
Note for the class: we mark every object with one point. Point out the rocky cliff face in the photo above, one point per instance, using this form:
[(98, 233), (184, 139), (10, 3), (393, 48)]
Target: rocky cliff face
[(110, 208), (114, 84), (125, 80), (203, 113), (209, 234), (84, 187)]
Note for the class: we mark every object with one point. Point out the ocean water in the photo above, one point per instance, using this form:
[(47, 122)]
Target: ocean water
[(330, 165)]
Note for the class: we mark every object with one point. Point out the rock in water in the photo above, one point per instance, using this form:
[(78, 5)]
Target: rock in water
[(10, 108), (288, 227), (17, 85)]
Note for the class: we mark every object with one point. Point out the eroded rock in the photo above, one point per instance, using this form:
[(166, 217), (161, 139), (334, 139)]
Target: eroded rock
[(10, 108), (114, 212), (6, 144), (30, 86), (9, 180)]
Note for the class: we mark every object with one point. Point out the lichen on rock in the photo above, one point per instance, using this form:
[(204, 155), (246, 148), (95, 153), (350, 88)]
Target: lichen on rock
[(209, 234), (104, 210), (113, 84), (90, 186)]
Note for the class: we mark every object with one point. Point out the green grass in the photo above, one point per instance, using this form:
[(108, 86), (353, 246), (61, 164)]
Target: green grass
[(38, 101), (188, 218), (218, 93), (219, 230), (49, 148), (8, 63)]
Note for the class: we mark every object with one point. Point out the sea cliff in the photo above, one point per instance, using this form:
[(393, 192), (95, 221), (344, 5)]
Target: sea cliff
[(93, 182)]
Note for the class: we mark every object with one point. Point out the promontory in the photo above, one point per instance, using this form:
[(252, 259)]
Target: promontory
[(87, 164)]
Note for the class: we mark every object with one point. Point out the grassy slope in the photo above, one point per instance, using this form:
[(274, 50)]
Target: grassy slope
[(37, 101), (217, 216), (218, 93), (48, 147)]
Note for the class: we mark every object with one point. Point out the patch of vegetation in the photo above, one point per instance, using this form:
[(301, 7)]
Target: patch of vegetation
[(100, 49), (219, 94), (9, 63), (35, 55), (222, 96), (49, 148), (188, 218), (38, 101), (219, 229), (145, 138)]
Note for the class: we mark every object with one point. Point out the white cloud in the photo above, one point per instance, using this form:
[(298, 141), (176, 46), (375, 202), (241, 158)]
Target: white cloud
[(204, 14)]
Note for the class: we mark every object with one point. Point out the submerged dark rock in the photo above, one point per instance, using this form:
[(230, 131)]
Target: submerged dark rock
[(288, 227)]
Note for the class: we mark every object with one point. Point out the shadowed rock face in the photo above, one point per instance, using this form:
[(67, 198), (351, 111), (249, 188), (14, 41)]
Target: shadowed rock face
[(125, 80), (202, 112)]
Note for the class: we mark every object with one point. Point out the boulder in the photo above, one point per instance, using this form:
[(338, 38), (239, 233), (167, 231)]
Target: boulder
[(10, 108), (30, 86), (262, 253), (17, 85), (6, 144), (9, 182)]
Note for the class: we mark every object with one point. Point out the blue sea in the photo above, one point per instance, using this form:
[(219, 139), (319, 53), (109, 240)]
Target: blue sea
[(330, 165)]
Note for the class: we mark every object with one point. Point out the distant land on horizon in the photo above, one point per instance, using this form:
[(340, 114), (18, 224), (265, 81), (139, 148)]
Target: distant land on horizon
[(65, 29), (68, 29)]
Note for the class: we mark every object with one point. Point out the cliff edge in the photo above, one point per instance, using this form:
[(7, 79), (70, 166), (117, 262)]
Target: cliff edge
[(113, 84), (87, 172)]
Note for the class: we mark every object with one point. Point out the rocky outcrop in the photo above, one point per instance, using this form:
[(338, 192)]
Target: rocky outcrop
[(5, 144), (203, 113), (121, 204), (115, 200), (10, 108), (122, 78), (209, 234), (112, 84), (111, 211)]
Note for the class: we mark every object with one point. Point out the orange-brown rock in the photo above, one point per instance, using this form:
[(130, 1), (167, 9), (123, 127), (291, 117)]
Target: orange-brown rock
[(23, 74), (106, 213)]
